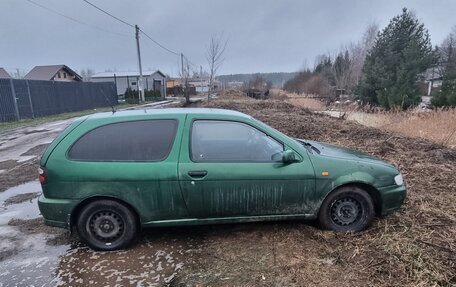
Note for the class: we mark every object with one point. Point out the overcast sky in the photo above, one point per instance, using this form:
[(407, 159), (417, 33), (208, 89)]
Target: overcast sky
[(263, 36)]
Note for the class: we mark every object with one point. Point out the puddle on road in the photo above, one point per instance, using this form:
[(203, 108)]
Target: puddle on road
[(24, 210), (34, 264), (144, 264), (25, 259)]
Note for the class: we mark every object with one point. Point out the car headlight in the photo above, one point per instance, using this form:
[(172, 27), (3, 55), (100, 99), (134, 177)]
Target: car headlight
[(398, 179)]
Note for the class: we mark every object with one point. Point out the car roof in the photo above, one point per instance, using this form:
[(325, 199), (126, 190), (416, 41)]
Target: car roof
[(147, 113)]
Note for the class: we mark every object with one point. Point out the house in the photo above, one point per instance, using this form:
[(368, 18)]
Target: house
[(53, 73), (173, 82), (431, 80), (201, 84), (4, 74), (152, 80)]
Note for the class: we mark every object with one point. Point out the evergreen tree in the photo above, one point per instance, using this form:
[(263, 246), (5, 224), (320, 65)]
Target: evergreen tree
[(402, 51), (324, 68), (447, 94)]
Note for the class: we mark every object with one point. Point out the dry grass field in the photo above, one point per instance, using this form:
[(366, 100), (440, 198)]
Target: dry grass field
[(413, 247), (438, 125)]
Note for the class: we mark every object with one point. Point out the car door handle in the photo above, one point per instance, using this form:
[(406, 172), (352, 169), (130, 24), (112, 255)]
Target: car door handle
[(197, 173)]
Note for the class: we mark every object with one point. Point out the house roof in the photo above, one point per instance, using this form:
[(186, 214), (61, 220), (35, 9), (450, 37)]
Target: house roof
[(4, 74), (46, 73), (126, 74), (432, 74)]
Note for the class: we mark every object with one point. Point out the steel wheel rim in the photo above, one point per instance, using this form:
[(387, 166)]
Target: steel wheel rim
[(106, 225), (346, 211)]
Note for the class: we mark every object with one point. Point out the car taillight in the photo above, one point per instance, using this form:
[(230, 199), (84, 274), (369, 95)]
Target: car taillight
[(42, 175)]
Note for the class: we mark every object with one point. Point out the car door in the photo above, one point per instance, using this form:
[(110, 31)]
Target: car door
[(226, 170)]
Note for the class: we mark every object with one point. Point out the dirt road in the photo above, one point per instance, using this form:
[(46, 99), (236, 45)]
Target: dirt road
[(414, 247)]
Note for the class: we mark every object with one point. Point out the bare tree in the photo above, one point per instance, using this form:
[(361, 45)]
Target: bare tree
[(86, 74), (185, 75), (447, 52), (214, 56), (342, 69), (259, 83), (358, 51)]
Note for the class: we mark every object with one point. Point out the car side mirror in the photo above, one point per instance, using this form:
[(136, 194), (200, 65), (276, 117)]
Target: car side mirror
[(287, 156)]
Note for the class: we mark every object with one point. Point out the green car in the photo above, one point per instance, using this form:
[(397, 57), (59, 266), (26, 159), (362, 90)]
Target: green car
[(111, 174)]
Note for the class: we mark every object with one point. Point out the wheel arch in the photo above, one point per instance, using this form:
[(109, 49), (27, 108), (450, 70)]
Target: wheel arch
[(77, 209), (370, 189)]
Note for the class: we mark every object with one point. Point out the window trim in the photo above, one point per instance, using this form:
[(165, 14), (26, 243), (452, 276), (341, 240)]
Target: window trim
[(175, 120), (227, 120)]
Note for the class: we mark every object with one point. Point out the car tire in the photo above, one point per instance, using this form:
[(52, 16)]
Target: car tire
[(107, 225), (347, 209)]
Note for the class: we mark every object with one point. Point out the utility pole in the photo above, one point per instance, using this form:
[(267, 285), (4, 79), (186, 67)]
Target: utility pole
[(182, 66), (201, 79), (182, 71), (184, 80), (139, 84)]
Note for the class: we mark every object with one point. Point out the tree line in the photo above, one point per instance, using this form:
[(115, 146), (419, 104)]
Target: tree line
[(385, 68)]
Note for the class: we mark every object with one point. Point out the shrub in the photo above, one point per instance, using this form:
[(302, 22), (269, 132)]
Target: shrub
[(131, 96), (151, 95)]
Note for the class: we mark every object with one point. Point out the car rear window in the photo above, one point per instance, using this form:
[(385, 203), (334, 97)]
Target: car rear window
[(149, 140)]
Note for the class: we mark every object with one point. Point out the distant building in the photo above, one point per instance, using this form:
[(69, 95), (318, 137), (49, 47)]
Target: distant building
[(53, 73), (235, 84), (171, 83), (4, 74), (432, 79), (152, 80), (195, 85), (201, 84)]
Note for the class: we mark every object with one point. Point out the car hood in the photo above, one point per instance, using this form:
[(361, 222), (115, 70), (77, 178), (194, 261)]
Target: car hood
[(335, 151)]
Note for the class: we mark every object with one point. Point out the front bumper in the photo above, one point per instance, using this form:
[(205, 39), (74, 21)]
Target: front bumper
[(392, 198), (56, 212)]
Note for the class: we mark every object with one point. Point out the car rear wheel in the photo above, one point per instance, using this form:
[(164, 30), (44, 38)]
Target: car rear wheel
[(106, 225), (349, 208)]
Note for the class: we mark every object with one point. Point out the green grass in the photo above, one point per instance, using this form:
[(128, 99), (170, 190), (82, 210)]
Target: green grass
[(5, 126)]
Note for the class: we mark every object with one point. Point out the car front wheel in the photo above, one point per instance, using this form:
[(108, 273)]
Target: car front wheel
[(348, 208), (106, 225)]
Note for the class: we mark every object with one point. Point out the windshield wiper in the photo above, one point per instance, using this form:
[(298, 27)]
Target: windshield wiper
[(308, 145)]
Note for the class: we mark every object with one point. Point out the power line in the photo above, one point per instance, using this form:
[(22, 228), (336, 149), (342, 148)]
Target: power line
[(160, 45), (133, 26), (107, 13), (190, 62), (73, 19)]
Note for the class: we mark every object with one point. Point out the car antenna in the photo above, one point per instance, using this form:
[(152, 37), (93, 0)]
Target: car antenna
[(113, 109)]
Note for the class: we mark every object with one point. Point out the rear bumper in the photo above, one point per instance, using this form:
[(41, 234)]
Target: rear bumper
[(392, 198), (56, 212)]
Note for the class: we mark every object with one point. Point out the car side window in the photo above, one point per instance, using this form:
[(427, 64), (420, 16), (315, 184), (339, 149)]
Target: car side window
[(228, 141), (148, 140)]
